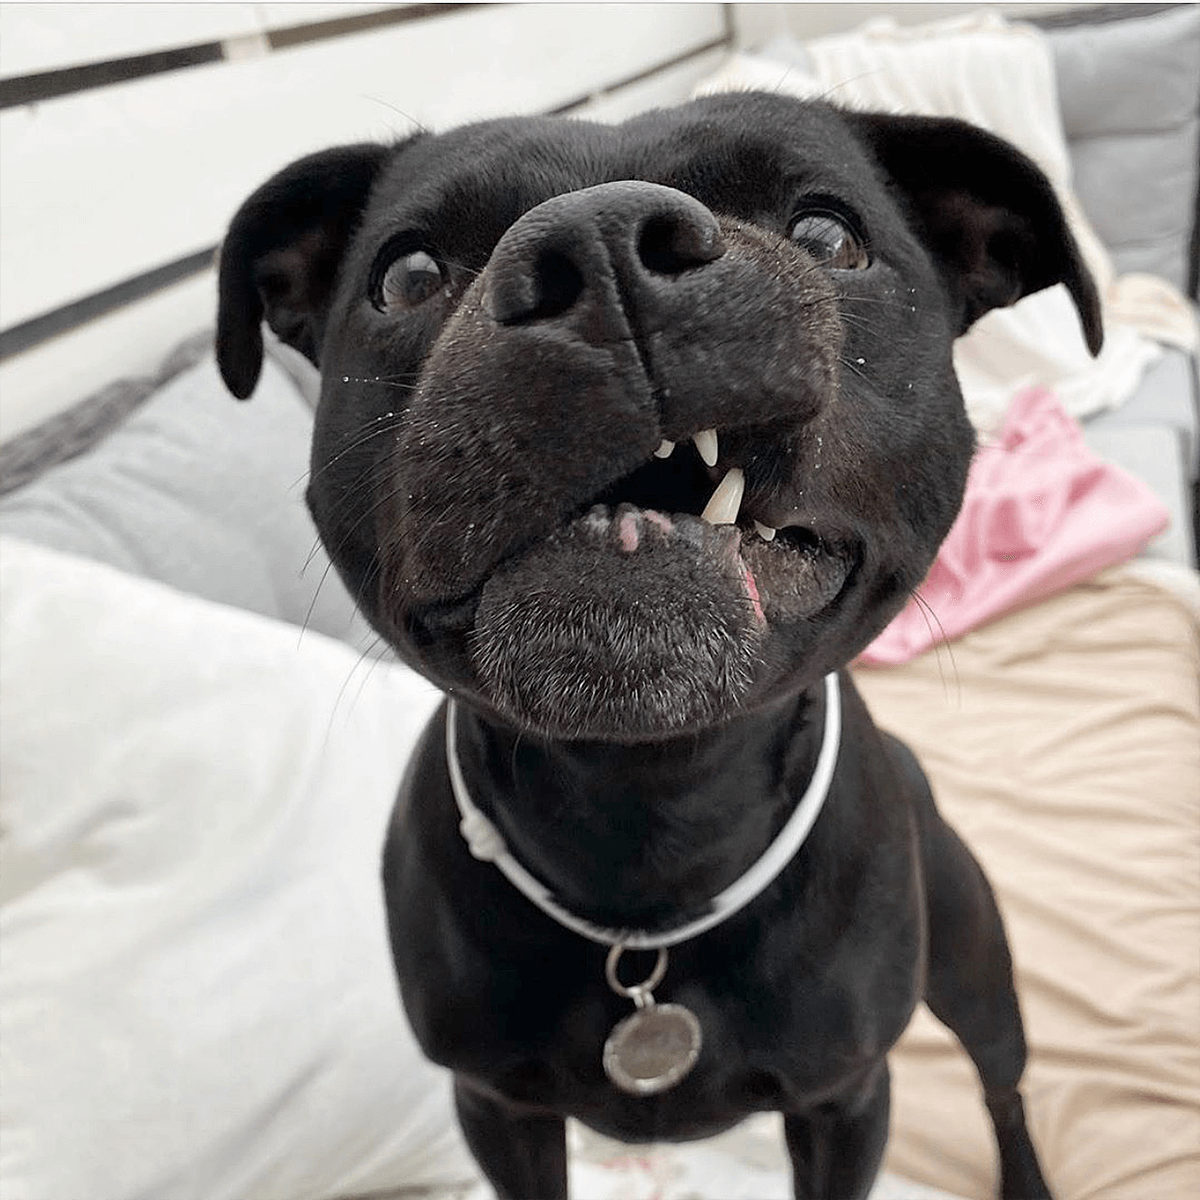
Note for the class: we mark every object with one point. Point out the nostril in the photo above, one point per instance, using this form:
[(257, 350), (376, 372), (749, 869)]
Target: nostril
[(673, 243), (546, 285), (559, 283)]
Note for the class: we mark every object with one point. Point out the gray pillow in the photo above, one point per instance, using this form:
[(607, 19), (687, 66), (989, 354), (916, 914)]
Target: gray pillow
[(1130, 96), (204, 493)]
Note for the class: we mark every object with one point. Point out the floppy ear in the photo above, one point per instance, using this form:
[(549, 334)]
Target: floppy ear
[(986, 212), (281, 255)]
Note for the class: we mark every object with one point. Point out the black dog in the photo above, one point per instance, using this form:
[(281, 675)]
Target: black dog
[(523, 327)]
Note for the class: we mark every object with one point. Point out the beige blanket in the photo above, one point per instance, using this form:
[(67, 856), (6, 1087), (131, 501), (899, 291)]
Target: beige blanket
[(1063, 742)]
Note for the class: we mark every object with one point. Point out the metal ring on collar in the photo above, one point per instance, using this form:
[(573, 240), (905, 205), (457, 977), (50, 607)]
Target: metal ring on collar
[(639, 993)]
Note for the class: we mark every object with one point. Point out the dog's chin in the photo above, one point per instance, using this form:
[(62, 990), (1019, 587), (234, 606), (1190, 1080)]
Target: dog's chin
[(630, 625)]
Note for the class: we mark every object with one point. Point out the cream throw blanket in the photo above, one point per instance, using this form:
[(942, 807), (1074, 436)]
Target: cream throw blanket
[(999, 76)]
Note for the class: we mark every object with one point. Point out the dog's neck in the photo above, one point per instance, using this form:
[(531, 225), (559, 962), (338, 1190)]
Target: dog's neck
[(640, 835)]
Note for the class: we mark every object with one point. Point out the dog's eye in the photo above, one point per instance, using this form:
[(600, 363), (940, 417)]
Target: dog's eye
[(410, 281), (830, 240)]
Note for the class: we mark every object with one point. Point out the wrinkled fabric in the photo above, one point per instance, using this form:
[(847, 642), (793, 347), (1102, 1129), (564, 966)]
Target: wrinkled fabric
[(1041, 512), (1063, 745)]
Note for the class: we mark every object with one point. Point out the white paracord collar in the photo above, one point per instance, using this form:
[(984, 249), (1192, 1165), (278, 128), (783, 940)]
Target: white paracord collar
[(486, 843)]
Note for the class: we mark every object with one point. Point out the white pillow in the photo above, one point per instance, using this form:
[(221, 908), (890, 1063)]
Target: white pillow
[(196, 992)]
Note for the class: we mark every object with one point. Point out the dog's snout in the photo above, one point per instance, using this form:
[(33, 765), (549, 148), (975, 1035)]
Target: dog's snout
[(630, 233)]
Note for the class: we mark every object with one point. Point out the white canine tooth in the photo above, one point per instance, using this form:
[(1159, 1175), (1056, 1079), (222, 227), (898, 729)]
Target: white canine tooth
[(706, 443), (665, 449), (764, 531), (726, 501)]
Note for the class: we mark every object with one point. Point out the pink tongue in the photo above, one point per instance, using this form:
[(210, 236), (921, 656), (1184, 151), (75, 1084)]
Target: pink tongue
[(752, 592)]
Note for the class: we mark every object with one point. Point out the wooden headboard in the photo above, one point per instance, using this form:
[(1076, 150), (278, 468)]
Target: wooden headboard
[(129, 134)]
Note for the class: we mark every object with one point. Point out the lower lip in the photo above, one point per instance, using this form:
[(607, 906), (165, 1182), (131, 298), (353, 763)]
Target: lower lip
[(628, 536)]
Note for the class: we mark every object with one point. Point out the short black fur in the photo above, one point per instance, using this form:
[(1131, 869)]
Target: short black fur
[(639, 690)]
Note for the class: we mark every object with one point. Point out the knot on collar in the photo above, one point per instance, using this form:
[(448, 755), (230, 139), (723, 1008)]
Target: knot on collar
[(485, 843), (482, 837)]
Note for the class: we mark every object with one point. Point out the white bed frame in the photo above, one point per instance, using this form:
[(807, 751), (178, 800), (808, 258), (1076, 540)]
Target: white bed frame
[(130, 133)]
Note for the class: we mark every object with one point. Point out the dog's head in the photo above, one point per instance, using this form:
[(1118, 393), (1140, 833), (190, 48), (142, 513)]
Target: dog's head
[(515, 320)]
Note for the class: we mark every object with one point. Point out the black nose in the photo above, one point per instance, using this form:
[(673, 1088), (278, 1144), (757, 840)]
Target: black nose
[(624, 240)]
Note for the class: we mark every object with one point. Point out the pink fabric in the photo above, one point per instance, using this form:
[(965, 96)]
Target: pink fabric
[(1041, 513)]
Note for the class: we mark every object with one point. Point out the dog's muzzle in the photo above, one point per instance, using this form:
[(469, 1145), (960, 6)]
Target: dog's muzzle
[(536, 490)]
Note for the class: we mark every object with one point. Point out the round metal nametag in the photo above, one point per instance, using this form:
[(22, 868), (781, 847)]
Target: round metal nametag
[(653, 1049)]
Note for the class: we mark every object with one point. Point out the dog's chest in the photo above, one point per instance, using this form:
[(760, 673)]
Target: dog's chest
[(765, 1049), (532, 1024)]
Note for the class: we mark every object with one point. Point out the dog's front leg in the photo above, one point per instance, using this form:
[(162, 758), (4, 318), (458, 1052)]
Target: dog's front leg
[(836, 1149), (522, 1152), (970, 989)]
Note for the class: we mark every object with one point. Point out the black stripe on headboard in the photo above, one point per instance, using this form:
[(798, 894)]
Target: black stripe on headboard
[(66, 81), (46, 85), (36, 330)]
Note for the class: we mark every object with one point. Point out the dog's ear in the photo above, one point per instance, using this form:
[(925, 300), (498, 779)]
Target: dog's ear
[(987, 212), (281, 255)]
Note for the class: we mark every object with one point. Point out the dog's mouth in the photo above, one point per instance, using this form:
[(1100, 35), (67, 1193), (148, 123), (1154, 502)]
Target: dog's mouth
[(789, 571), (647, 611)]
